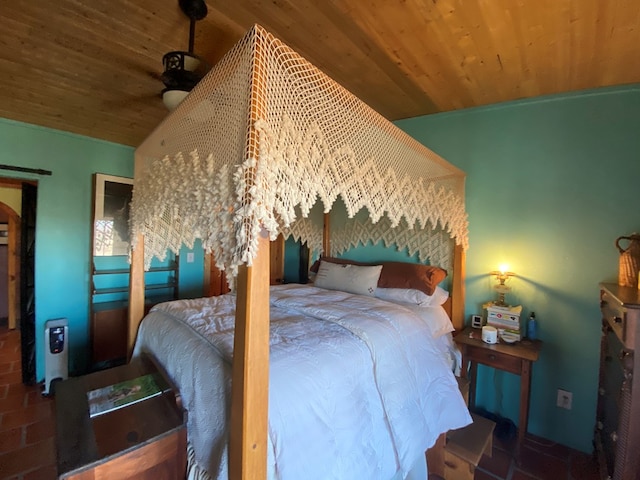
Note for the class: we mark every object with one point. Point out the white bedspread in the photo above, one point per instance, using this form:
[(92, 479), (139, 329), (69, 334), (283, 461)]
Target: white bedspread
[(358, 389)]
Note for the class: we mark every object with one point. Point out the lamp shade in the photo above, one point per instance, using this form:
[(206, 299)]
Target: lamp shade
[(172, 98)]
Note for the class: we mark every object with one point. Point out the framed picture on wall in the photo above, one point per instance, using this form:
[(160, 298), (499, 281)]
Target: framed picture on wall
[(112, 202)]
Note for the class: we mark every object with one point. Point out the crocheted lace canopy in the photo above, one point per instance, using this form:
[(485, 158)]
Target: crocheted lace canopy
[(263, 137)]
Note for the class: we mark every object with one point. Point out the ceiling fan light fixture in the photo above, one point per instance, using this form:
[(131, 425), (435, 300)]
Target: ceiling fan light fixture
[(181, 61), (183, 70), (173, 97)]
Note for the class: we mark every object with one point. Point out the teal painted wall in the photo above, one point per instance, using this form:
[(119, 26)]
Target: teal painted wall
[(551, 183), (63, 231)]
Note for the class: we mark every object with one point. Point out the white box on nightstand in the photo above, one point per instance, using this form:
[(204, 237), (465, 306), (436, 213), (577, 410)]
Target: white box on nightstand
[(506, 319)]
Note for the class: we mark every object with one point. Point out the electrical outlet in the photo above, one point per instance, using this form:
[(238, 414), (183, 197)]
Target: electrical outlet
[(564, 399), (190, 257)]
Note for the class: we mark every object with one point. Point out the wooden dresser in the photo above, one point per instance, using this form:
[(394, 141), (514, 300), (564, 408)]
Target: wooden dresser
[(617, 433)]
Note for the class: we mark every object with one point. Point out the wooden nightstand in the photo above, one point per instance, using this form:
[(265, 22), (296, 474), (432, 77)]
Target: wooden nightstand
[(514, 358), (144, 440)]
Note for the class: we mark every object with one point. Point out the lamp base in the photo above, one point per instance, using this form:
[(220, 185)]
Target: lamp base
[(502, 290), (500, 302)]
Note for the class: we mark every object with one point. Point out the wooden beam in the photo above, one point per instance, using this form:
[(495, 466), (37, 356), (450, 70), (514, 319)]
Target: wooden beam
[(250, 376), (16, 182), (206, 278), (136, 293), (457, 288), (215, 279), (277, 261), (250, 369), (326, 235)]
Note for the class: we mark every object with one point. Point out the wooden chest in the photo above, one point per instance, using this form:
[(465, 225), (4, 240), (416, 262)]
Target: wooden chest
[(144, 440)]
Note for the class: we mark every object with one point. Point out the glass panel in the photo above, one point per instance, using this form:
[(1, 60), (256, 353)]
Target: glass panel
[(112, 197)]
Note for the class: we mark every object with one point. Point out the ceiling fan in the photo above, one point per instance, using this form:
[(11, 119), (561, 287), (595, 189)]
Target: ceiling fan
[(183, 70)]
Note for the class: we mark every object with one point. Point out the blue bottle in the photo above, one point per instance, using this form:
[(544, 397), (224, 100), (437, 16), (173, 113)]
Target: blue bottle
[(532, 327)]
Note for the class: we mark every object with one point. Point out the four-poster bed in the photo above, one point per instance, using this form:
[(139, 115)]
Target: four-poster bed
[(259, 140)]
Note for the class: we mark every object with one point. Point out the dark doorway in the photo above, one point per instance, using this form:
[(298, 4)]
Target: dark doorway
[(27, 283)]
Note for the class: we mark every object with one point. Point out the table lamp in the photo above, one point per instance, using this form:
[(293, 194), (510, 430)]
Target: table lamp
[(502, 276)]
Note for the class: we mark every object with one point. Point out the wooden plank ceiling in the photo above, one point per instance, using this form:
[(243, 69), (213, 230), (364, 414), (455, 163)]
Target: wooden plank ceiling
[(92, 66)]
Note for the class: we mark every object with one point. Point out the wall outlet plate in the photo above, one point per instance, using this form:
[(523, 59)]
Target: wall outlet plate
[(476, 321), (565, 399)]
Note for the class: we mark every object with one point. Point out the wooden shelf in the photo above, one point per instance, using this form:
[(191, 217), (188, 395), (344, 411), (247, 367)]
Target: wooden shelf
[(109, 315), (155, 286), (106, 291), (115, 271), (158, 286), (121, 271)]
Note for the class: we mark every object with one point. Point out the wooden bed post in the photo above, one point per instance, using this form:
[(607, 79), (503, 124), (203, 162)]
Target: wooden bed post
[(250, 380), (326, 235), (276, 251), (250, 369), (136, 294), (457, 288), (435, 455)]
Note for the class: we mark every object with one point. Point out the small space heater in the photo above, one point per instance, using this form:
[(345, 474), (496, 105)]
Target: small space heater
[(56, 356)]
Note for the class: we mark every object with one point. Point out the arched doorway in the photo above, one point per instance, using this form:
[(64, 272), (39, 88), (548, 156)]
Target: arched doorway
[(9, 264), (18, 200)]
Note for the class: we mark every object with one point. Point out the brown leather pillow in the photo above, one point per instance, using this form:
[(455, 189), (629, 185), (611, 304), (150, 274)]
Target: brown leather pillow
[(411, 275), (399, 274)]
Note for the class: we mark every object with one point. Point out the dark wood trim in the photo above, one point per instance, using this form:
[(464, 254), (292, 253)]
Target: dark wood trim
[(37, 171)]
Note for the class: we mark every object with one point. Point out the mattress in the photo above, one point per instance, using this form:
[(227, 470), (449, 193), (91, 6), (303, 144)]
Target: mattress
[(358, 386)]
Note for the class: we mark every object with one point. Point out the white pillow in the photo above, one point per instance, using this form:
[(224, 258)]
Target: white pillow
[(402, 295), (436, 319), (348, 278), (440, 295), (413, 297)]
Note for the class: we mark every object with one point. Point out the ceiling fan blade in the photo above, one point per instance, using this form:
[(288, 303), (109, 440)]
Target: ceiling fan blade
[(126, 101)]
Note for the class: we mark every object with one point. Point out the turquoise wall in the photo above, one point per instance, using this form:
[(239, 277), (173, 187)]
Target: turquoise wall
[(63, 231), (551, 183)]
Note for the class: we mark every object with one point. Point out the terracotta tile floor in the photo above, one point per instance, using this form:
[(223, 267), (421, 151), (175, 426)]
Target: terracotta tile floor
[(27, 430), (540, 459)]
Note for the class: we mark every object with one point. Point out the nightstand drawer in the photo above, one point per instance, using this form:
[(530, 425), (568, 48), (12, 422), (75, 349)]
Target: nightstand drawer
[(616, 316), (494, 359)]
